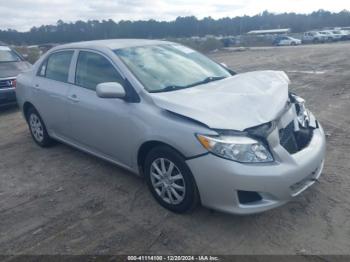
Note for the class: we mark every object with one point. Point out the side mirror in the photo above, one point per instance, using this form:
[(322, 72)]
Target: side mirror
[(110, 90)]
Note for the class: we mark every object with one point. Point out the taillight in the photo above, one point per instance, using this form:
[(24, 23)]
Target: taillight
[(13, 83)]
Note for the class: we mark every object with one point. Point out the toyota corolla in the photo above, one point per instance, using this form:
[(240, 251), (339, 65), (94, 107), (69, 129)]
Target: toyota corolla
[(197, 131)]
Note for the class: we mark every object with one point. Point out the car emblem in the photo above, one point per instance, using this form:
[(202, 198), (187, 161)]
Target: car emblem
[(9, 83)]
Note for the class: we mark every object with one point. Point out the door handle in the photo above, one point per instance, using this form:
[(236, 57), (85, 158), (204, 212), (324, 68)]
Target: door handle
[(36, 87), (73, 98)]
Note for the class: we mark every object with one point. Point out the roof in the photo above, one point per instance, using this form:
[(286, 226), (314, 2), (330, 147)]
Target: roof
[(113, 43), (270, 31)]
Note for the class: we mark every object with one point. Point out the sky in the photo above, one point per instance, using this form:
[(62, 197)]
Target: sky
[(21, 15)]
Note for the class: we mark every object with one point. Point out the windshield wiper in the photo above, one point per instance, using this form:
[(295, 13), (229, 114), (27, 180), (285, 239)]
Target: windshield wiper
[(207, 80), (168, 89), (175, 87)]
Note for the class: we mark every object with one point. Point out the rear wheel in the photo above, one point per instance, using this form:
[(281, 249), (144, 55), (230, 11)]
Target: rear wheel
[(37, 128), (170, 180)]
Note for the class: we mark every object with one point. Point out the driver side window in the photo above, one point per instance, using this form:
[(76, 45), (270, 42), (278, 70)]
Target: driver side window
[(93, 69)]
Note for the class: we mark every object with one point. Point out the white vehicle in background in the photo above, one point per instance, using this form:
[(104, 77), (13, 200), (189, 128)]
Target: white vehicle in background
[(314, 37), (330, 36), (342, 34), (287, 41)]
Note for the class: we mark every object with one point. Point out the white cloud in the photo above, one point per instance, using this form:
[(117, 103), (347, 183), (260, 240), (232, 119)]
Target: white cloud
[(24, 14)]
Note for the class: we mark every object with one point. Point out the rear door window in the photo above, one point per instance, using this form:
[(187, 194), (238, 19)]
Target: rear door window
[(57, 66), (93, 69)]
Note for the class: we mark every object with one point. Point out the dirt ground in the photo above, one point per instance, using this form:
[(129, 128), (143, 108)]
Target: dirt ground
[(62, 201)]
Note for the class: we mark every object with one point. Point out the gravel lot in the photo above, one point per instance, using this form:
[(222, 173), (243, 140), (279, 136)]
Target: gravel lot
[(62, 201)]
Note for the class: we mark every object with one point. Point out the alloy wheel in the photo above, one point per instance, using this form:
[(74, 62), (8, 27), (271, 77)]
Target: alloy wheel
[(36, 127), (167, 181)]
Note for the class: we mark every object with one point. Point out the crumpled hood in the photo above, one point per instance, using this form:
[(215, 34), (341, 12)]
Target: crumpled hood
[(235, 103), (12, 69)]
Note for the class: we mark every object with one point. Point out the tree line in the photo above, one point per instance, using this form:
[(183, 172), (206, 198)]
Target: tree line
[(188, 26)]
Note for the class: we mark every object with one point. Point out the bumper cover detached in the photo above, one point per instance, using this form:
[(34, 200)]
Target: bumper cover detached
[(238, 188)]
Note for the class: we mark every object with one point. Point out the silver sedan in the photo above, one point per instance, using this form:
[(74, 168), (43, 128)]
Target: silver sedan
[(197, 131)]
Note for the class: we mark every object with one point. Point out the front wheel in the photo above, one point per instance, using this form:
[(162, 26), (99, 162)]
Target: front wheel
[(37, 128), (170, 180)]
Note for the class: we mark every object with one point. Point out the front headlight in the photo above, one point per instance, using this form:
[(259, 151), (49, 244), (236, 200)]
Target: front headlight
[(237, 148)]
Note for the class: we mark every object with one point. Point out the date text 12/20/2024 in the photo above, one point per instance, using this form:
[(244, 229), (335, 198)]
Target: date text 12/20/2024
[(173, 258)]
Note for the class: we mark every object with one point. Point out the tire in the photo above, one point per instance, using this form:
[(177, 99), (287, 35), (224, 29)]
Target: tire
[(37, 128), (158, 181), (293, 44)]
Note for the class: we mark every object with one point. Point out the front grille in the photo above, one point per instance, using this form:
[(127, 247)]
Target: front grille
[(6, 83), (294, 141)]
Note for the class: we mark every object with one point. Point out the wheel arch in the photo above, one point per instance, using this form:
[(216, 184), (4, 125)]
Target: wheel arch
[(26, 106), (146, 147)]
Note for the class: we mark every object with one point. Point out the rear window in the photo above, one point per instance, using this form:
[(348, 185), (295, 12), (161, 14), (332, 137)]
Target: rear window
[(7, 55)]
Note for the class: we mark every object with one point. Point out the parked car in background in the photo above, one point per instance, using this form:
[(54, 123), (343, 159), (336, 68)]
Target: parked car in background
[(286, 41), (11, 64), (314, 37), (330, 36), (197, 131), (342, 34)]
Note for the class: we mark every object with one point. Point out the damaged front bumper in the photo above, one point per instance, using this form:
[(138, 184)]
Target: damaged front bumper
[(239, 188)]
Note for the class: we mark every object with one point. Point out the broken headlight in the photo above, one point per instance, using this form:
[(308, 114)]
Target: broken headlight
[(237, 148), (303, 114)]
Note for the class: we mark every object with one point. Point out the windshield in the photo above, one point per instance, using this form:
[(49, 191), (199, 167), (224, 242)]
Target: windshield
[(169, 67), (7, 55)]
